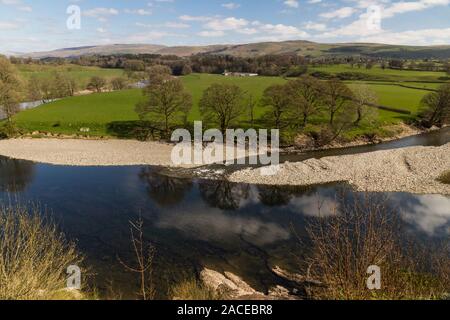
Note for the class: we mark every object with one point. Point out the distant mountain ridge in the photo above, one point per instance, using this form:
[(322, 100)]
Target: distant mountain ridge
[(300, 47)]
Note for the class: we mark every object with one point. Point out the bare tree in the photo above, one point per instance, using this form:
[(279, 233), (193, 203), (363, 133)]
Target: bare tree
[(97, 83), (306, 95), (40, 89), (337, 98), (158, 73), (144, 255), (436, 107), (277, 98), (9, 89), (251, 105), (222, 104), (62, 85), (167, 103), (118, 83), (364, 99)]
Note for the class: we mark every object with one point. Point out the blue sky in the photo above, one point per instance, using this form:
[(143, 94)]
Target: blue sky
[(37, 25)]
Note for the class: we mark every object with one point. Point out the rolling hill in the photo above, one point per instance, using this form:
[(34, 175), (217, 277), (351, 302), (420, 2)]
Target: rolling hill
[(303, 48)]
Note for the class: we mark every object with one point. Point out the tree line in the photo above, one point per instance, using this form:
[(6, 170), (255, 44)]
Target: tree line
[(292, 107), (303, 101), (61, 85), (289, 65)]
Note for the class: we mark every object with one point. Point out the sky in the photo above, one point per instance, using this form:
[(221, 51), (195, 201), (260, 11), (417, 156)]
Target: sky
[(41, 25)]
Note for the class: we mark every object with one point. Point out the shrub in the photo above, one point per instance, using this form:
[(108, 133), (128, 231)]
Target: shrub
[(194, 290), (9, 130), (322, 75), (34, 256), (445, 177), (353, 76), (365, 232)]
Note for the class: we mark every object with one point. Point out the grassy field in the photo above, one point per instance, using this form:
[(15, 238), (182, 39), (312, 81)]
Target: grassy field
[(93, 111), (79, 73), (377, 73), (391, 95), (96, 111), (197, 83)]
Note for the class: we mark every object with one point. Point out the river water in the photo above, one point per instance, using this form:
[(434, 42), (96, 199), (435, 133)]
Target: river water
[(244, 229), (27, 105)]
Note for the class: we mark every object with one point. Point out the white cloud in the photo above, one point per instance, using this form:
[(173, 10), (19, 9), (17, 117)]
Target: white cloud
[(315, 26), (231, 5), (280, 32), (226, 24), (177, 25), (25, 8), (411, 37), (212, 33), (141, 12), (10, 2), (341, 13), (194, 18), (18, 4), (173, 25), (291, 3), (403, 7), (100, 12), (8, 25)]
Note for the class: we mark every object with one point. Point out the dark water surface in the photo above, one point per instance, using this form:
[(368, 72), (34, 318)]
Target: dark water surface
[(435, 138), (244, 229)]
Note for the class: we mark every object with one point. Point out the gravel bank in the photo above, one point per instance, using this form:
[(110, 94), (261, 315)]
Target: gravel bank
[(75, 152), (411, 170)]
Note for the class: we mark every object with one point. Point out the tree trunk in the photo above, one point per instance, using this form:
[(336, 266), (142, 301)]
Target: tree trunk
[(358, 120)]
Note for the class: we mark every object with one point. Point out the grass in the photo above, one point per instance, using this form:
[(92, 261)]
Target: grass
[(377, 73), (34, 257), (197, 83), (94, 111), (445, 177), (194, 290), (97, 111), (395, 96), (80, 74)]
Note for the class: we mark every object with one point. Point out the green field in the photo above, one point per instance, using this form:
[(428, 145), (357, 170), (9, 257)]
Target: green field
[(197, 83), (96, 111), (377, 73), (79, 73), (93, 111), (391, 95)]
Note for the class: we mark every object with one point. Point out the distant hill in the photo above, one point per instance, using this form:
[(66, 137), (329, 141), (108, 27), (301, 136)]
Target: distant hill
[(97, 50), (303, 48), (10, 53)]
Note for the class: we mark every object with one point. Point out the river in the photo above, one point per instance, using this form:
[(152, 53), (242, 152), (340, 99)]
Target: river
[(195, 223)]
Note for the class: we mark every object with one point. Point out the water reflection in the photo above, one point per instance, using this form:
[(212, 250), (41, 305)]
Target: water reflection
[(428, 213), (206, 224), (15, 175), (164, 190), (223, 194), (218, 224)]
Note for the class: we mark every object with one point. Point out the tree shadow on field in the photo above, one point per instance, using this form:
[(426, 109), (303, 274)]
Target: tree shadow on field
[(140, 130)]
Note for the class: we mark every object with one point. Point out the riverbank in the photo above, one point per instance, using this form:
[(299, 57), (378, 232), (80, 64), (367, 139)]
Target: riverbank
[(78, 152), (413, 170), (399, 131)]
